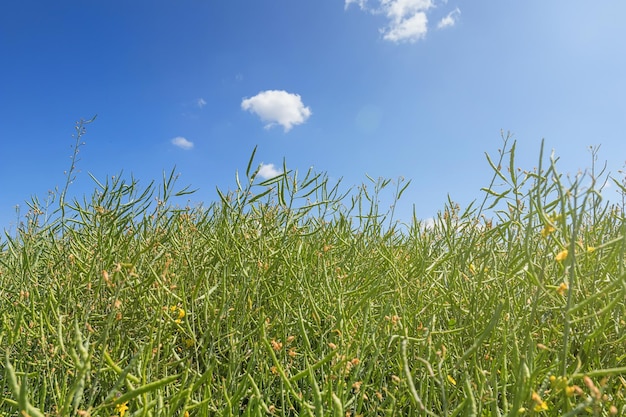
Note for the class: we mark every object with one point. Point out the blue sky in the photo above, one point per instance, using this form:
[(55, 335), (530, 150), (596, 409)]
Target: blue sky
[(388, 88)]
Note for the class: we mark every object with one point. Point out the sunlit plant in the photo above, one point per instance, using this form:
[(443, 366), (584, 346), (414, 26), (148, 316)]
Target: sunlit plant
[(294, 296)]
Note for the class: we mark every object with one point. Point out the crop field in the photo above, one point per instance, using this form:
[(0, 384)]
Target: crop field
[(293, 297)]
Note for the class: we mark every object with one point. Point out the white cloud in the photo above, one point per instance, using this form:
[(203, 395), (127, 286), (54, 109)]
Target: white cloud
[(450, 19), (399, 10), (182, 143), (360, 3), (200, 102), (267, 171), (409, 29), (407, 19), (277, 107)]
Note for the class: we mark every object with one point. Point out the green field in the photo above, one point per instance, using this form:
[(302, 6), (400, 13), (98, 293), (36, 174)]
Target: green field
[(292, 296)]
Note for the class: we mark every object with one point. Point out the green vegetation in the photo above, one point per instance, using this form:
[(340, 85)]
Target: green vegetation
[(289, 297)]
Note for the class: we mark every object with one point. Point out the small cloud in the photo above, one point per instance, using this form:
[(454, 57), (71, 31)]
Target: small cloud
[(200, 102), (399, 10), (182, 143), (428, 224), (360, 3), (407, 19), (408, 29), (277, 107), (450, 20), (267, 171)]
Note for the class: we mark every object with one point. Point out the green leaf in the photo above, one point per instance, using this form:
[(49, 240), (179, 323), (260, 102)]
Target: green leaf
[(250, 162), (152, 386)]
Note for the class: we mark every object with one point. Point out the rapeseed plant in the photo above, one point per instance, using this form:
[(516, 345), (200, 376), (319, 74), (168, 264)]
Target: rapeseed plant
[(561, 256), (540, 405), (121, 408), (368, 316), (547, 230)]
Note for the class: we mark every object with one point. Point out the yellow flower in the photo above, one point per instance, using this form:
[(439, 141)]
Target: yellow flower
[(561, 256), (540, 405), (180, 313), (451, 380), (547, 230), (591, 249), (572, 390), (562, 288), (122, 408)]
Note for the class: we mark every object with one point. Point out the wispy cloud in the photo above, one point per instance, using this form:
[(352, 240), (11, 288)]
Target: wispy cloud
[(407, 19), (267, 171), (200, 102), (407, 29), (428, 224), (182, 143), (277, 107), (450, 20), (360, 3)]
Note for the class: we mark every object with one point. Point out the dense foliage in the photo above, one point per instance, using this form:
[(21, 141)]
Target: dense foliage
[(291, 297)]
